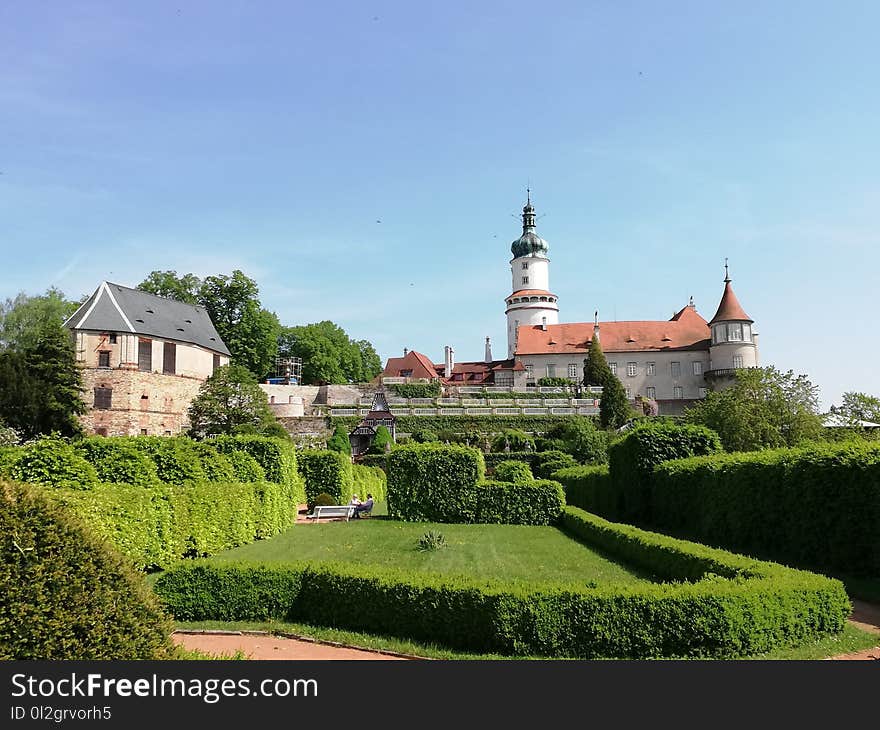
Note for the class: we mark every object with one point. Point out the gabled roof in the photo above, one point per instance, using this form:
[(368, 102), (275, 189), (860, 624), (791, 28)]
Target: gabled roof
[(687, 330), (729, 308), (478, 372), (117, 308), (419, 365)]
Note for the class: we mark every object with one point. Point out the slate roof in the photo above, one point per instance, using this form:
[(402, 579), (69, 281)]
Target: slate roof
[(117, 308)]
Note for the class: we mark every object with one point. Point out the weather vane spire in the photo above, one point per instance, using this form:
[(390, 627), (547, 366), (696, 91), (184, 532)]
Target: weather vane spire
[(726, 275)]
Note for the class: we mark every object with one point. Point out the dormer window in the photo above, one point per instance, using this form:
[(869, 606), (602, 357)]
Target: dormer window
[(735, 332)]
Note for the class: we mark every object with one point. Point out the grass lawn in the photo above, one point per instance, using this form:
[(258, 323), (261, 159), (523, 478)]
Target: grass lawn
[(849, 640), (508, 552)]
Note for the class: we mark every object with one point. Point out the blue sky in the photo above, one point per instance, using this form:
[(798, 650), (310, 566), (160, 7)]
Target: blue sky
[(658, 138)]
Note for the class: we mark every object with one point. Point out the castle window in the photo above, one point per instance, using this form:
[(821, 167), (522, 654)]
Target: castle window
[(631, 369), (145, 355), (737, 361), (572, 370), (698, 368), (613, 366), (675, 369), (112, 338), (651, 391), (104, 359), (747, 333), (216, 363), (529, 374), (169, 359), (551, 370), (525, 264), (103, 399), (677, 392), (651, 368), (100, 431), (734, 332), (525, 280)]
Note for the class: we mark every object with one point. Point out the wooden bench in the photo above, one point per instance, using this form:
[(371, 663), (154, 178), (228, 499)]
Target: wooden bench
[(333, 510)]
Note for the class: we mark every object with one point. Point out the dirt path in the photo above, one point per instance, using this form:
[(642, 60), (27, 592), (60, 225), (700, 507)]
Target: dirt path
[(267, 646), (865, 616)]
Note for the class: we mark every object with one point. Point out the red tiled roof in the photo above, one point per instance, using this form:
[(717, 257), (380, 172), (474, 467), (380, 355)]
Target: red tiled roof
[(478, 371), (730, 307), (420, 366), (687, 330)]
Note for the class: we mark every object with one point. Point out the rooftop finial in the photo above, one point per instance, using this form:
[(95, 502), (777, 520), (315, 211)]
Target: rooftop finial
[(528, 195), (596, 317), (726, 275)]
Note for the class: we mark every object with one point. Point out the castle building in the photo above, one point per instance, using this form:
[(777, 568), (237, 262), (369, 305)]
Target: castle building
[(143, 360), (672, 361)]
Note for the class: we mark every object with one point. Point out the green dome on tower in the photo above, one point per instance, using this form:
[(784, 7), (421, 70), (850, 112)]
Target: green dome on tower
[(529, 243)]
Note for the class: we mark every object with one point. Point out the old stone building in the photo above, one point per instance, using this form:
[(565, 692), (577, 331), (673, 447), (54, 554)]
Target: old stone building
[(143, 360)]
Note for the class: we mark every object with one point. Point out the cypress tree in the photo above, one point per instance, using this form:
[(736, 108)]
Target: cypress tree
[(340, 442), (614, 408), (596, 369)]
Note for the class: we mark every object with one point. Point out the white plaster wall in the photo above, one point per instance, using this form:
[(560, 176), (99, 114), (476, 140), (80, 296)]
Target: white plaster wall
[(527, 315), (722, 354), (538, 272)]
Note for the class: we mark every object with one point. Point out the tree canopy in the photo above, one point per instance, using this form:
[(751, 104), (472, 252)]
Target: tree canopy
[(22, 320), (859, 407), (230, 402), (171, 286), (764, 408), (328, 354)]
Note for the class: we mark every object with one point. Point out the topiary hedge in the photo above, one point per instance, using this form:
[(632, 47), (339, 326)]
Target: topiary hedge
[(591, 489), (817, 506), (246, 467), (416, 390), (176, 460), (714, 604), (533, 502), (67, 594), (527, 457), (513, 471), (276, 456), (118, 461), (547, 462), (633, 458), (369, 480), (52, 462), (326, 471), (433, 482), (465, 424)]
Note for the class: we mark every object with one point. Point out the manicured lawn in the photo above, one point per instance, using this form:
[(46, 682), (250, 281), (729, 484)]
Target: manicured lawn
[(509, 552), (849, 640)]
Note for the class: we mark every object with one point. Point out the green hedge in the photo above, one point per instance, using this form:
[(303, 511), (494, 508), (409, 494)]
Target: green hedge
[(276, 456), (176, 459), (433, 482), (817, 506), (66, 594), (463, 424), (547, 462), (633, 458), (246, 467), (535, 502), (416, 390), (51, 462), (527, 457), (326, 472), (512, 471), (118, 461), (590, 488), (369, 480), (736, 607)]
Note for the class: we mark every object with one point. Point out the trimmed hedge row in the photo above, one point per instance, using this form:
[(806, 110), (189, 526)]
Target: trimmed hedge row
[(535, 502), (276, 456), (737, 607), (633, 458), (512, 471), (369, 480), (590, 488), (67, 594), (329, 472), (817, 506), (464, 424), (493, 459)]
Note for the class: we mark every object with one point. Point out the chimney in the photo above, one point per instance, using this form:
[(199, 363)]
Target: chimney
[(448, 361), (488, 351), (544, 323), (405, 351), (596, 324)]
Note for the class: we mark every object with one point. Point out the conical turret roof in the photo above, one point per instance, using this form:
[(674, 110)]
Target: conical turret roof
[(730, 308)]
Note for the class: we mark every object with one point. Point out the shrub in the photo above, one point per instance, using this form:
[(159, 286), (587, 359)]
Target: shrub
[(547, 462), (432, 540), (274, 429), (211, 517), (177, 462), (548, 382), (323, 500), (748, 607), (424, 436), (382, 441), (339, 441), (432, 482), (537, 502), (326, 472), (245, 467), (52, 462), (590, 488), (66, 594), (118, 461), (578, 437), (526, 457), (369, 480), (276, 456), (417, 390), (513, 440), (816, 506), (513, 471), (633, 458), (216, 466)]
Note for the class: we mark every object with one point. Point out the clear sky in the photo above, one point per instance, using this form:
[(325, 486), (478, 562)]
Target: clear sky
[(364, 162)]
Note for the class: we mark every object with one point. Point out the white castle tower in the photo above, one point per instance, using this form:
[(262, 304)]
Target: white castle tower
[(530, 302), (734, 340)]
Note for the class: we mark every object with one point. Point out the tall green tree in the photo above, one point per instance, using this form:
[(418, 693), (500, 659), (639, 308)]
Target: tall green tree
[(328, 354), (23, 319), (596, 370), (249, 331), (614, 408), (764, 408), (171, 286), (859, 407), (230, 402)]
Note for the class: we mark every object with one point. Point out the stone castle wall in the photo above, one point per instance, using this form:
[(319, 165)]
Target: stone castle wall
[(141, 402)]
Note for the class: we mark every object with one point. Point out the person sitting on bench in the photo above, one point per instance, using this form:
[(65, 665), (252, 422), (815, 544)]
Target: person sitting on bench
[(363, 507)]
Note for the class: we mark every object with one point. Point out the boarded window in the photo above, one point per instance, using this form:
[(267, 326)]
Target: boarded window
[(103, 398), (104, 359), (169, 359), (145, 356), (216, 362)]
